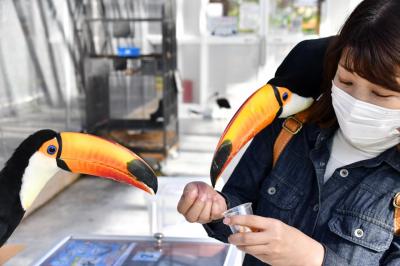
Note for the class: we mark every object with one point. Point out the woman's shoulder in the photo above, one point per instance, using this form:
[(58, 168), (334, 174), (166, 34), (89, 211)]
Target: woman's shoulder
[(305, 137)]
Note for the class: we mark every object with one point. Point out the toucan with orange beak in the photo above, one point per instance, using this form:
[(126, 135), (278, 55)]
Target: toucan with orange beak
[(256, 113), (40, 156), (302, 71)]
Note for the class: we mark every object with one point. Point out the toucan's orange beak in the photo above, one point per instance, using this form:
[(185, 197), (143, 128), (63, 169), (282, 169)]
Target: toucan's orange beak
[(92, 155), (256, 113)]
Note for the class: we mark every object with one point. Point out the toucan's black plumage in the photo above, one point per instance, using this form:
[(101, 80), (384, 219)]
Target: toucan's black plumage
[(11, 211), (302, 69), (40, 156)]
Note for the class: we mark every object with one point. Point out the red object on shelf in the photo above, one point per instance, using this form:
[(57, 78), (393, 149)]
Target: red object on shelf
[(187, 91)]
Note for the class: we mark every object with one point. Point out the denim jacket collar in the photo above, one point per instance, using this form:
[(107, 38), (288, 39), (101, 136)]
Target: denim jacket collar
[(392, 157), (322, 136)]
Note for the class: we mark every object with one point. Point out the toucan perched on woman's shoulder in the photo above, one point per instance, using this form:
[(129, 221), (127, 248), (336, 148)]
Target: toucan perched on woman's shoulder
[(302, 72), (39, 157), (258, 111)]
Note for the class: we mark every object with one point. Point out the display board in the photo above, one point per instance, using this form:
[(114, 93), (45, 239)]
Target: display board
[(137, 251)]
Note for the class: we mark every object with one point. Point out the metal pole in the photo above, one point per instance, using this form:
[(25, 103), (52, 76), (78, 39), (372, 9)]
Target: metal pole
[(7, 84), (49, 48), (70, 48), (78, 63), (30, 44)]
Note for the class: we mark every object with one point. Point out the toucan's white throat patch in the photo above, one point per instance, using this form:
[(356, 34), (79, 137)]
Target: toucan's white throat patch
[(297, 104), (38, 172)]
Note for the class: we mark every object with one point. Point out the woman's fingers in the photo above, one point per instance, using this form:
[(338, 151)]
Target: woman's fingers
[(254, 249), (188, 198), (205, 215), (201, 203), (218, 207), (193, 214), (268, 229), (248, 238), (252, 221)]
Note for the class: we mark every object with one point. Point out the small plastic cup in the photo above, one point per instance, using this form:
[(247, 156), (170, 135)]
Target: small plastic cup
[(243, 209)]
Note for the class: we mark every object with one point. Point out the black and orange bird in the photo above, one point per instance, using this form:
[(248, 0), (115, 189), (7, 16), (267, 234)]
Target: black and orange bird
[(302, 72), (257, 112), (40, 156)]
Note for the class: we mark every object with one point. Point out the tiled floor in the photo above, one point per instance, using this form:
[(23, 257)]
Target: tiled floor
[(98, 206)]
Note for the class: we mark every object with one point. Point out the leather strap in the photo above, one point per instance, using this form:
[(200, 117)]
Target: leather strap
[(396, 223), (8, 251), (290, 127)]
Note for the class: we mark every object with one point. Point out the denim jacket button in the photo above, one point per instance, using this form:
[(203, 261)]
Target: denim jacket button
[(358, 233), (316, 207), (271, 190), (344, 173)]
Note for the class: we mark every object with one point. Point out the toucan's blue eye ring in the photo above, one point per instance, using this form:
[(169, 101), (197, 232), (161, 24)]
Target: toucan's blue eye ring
[(51, 149), (285, 96)]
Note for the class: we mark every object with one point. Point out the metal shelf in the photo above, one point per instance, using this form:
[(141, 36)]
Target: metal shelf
[(142, 124), (125, 20), (113, 56), (160, 123)]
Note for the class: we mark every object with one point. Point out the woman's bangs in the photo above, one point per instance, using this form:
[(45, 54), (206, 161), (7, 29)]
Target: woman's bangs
[(372, 64)]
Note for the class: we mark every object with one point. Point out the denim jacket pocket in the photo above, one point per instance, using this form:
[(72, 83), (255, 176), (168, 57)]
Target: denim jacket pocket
[(280, 193), (361, 230)]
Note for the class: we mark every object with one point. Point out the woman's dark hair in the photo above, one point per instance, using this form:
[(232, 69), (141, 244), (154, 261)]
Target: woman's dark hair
[(369, 42)]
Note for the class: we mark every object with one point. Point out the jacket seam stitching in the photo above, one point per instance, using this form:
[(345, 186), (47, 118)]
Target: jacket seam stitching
[(366, 218)]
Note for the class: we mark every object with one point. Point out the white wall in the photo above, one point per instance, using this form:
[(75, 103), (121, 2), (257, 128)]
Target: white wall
[(334, 14), (229, 61), (232, 63)]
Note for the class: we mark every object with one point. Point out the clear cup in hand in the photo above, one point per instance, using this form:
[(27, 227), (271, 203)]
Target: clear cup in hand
[(243, 209)]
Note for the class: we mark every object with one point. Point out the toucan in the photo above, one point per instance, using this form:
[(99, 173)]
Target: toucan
[(257, 112), (40, 156), (303, 72)]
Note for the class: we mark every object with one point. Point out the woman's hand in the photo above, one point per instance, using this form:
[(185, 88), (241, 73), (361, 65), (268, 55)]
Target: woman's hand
[(275, 242), (201, 203)]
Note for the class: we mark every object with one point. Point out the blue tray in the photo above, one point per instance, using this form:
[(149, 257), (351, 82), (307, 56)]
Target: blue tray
[(128, 51)]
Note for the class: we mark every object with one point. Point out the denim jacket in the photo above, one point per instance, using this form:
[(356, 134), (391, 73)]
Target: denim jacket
[(351, 215)]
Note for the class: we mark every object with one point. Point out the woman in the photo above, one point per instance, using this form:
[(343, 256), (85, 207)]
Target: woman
[(329, 198)]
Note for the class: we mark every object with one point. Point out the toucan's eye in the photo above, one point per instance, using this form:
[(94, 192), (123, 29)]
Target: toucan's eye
[(51, 149), (285, 96)]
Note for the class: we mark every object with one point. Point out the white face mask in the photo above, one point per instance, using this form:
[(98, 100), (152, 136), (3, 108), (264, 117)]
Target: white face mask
[(368, 127)]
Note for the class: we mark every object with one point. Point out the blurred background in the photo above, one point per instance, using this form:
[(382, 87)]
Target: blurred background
[(161, 77)]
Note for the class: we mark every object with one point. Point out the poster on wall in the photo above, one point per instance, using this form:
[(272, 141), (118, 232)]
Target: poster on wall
[(249, 16), (295, 16), (237, 16)]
